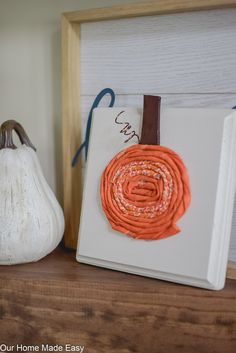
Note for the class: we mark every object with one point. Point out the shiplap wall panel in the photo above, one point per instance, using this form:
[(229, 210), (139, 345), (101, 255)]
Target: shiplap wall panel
[(189, 59), (178, 53)]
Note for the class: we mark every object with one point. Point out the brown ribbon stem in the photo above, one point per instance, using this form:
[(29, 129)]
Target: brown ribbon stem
[(151, 121)]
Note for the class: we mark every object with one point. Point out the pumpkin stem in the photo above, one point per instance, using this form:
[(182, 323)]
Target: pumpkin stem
[(6, 140), (151, 121)]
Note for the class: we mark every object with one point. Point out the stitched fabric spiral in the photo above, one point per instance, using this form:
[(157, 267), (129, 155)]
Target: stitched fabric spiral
[(145, 188)]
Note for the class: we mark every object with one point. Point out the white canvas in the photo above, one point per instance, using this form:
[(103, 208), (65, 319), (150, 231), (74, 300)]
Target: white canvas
[(205, 139)]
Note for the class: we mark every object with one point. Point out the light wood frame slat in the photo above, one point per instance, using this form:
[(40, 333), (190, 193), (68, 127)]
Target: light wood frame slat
[(71, 118)]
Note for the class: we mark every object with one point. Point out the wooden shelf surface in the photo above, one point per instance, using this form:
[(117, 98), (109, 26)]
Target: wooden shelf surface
[(58, 301)]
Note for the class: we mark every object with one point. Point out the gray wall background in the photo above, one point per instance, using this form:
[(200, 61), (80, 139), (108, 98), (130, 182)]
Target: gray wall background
[(30, 72)]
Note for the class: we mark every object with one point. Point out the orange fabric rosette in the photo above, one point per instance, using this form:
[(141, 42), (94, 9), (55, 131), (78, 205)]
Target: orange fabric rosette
[(144, 191)]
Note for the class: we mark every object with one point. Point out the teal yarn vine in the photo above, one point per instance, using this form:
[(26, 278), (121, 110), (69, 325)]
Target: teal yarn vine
[(95, 104)]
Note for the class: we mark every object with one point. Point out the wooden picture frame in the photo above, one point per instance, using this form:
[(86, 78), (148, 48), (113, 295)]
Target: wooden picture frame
[(71, 116)]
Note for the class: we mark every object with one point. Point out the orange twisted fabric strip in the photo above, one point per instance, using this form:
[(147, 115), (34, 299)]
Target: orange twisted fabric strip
[(144, 191)]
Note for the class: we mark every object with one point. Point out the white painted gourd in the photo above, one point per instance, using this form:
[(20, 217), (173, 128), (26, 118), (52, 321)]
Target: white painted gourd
[(31, 219)]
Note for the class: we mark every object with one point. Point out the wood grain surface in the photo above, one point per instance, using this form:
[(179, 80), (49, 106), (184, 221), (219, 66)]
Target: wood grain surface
[(59, 301), (178, 53), (146, 8), (72, 182)]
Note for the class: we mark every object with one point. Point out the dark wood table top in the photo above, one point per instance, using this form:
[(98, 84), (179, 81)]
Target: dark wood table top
[(58, 301)]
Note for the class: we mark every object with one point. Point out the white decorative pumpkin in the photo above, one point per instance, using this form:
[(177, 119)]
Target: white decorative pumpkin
[(31, 219)]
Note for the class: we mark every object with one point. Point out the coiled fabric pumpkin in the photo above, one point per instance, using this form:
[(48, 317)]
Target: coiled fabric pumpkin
[(145, 188)]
